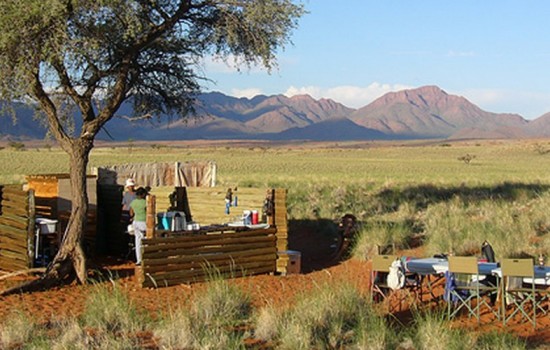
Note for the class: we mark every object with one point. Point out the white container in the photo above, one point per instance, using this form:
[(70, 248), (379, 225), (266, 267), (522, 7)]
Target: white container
[(46, 225)]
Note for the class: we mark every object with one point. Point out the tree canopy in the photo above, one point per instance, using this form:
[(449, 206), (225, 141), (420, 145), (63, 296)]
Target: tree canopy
[(105, 51), (86, 57)]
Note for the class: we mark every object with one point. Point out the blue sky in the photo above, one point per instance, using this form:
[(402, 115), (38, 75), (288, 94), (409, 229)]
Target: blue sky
[(494, 53)]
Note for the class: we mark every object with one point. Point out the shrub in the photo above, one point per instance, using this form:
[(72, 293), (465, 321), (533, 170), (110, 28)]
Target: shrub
[(17, 146)]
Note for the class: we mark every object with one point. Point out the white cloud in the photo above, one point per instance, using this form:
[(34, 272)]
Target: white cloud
[(528, 104), (248, 93), (349, 95)]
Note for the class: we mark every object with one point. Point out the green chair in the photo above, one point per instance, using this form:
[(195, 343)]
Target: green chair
[(521, 297), (468, 293)]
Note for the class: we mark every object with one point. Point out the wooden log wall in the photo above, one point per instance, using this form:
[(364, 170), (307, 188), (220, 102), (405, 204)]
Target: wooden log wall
[(193, 258), (16, 228)]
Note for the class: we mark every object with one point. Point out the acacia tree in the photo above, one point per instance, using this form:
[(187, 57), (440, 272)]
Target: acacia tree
[(86, 57)]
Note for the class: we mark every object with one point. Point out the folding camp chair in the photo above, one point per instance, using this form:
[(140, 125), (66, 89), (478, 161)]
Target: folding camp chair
[(379, 274), (521, 296), (461, 296), (381, 291)]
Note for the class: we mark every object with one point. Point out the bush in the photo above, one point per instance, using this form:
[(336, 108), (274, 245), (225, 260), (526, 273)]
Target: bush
[(17, 146)]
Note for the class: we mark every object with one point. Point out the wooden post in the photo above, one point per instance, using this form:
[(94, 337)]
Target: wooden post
[(31, 228), (151, 212)]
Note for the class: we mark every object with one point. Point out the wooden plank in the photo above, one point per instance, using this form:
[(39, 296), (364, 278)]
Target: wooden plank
[(208, 237), (214, 268), (195, 248), (208, 250), (13, 240), (149, 283), (183, 259), (13, 222), (204, 244), (20, 198), (8, 229), (16, 190), (203, 275), (10, 265), (17, 211), (202, 263), (14, 255)]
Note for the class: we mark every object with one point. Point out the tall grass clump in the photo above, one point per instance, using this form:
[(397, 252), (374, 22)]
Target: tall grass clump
[(16, 330), (392, 231), (330, 317), (110, 311), (514, 228), (431, 331), (74, 335), (499, 340), (214, 320)]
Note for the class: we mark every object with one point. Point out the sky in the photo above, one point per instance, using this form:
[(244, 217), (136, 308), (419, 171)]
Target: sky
[(495, 53)]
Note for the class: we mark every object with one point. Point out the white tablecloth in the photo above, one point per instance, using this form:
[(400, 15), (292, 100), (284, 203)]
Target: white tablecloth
[(542, 275)]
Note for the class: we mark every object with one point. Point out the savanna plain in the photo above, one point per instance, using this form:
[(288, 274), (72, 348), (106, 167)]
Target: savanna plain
[(419, 197)]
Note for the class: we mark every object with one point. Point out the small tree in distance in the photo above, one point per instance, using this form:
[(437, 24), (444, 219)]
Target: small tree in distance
[(89, 56), (467, 158)]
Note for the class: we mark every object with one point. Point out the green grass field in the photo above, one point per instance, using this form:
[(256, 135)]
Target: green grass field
[(403, 193), (345, 163), (399, 189)]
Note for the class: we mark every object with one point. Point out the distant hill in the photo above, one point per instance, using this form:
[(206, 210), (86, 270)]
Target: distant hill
[(425, 112), (429, 112)]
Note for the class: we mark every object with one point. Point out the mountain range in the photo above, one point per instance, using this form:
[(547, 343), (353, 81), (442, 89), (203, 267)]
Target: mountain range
[(422, 113)]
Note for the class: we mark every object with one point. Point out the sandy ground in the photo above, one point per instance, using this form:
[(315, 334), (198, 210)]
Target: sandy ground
[(264, 289)]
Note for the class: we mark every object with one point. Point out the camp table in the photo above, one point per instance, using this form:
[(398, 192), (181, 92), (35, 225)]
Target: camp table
[(426, 269), (542, 275)]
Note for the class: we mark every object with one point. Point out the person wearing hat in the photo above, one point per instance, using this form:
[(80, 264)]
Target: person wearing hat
[(127, 197), (129, 194)]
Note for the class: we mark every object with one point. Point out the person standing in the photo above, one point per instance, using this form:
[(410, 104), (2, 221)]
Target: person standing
[(127, 197), (138, 212), (228, 200)]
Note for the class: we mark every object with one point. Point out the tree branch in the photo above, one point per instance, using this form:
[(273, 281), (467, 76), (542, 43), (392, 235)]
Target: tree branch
[(50, 110)]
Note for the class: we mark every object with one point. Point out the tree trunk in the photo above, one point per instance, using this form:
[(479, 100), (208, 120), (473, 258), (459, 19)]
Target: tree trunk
[(70, 258)]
